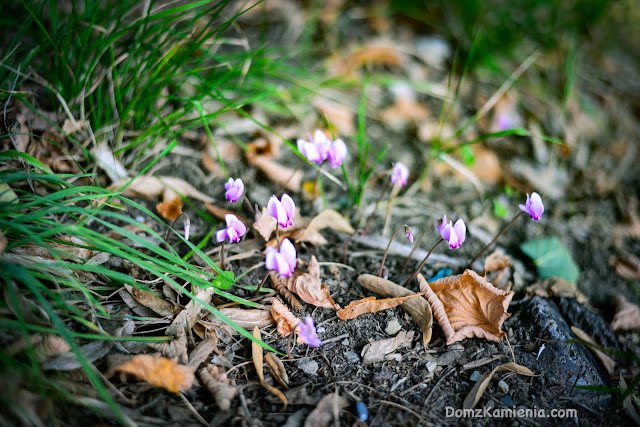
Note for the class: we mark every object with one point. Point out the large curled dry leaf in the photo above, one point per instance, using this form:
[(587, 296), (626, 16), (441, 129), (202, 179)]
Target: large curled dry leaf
[(160, 371), (215, 380), (308, 285), (418, 308), (258, 362), (627, 315), (377, 350), (370, 305), (152, 301), (327, 410), (607, 362), (481, 385), (291, 299), (466, 305)]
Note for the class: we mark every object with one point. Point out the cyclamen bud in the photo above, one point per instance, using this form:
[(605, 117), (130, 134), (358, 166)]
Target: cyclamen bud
[(399, 174), (455, 235), (408, 232)]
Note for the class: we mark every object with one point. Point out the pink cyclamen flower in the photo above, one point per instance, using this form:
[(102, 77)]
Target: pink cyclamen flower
[(453, 234), (317, 148), (307, 333), (337, 152), (282, 210), (533, 206), (235, 188), (234, 231), (282, 261), (399, 174)]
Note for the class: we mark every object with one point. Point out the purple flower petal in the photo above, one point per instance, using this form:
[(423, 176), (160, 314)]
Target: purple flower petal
[(460, 230), (337, 152), (399, 174), (307, 333), (288, 251), (221, 235)]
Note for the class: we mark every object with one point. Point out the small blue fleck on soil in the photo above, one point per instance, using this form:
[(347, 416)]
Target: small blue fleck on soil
[(363, 412), (507, 401)]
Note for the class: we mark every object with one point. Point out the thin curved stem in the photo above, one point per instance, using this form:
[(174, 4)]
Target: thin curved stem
[(358, 232), (386, 252), (415, 273), (506, 227), (424, 232), (375, 208), (222, 255)]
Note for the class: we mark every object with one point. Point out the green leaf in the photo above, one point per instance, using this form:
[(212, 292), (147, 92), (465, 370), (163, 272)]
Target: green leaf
[(552, 258), (221, 282)]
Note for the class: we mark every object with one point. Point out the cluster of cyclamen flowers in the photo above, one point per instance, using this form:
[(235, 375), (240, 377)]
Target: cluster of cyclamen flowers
[(320, 148), (284, 259)]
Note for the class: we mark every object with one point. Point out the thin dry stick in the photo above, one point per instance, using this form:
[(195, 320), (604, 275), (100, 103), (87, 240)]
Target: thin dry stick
[(222, 255), (415, 273), (264, 279), (424, 232), (253, 212), (506, 227), (193, 410), (386, 252), (394, 192), (358, 232)]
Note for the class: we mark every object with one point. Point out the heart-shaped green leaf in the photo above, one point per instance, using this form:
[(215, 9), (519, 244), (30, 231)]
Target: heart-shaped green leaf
[(552, 258)]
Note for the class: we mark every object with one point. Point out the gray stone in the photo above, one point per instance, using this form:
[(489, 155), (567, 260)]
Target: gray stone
[(393, 327), (352, 357), (503, 386), (431, 366), (475, 376), (507, 401), (309, 366)]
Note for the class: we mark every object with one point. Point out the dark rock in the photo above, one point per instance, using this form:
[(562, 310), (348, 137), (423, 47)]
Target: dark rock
[(562, 366), (590, 322), (507, 401)]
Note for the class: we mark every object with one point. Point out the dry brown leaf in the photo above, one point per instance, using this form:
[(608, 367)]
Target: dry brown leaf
[(327, 410), (249, 318), (22, 138), (171, 209), (174, 349), (67, 252), (265, 224), (377, 350), (50, 346), (418, 308), (481, 385), (277, 369), (7, 195), (191, 313), (152, 301), (258, 361), (627, 314), (373, 53), (152, 186), (627, 266), (607, 362), (328, 218), (370, 305), (160, 371), (496, 261), (286, 294), (555, 286), (221, 212), (308, 286), (69, 127), (284, 318), (284, 176), (202, 351), (215, 380), (467, 306), (406, 109), (486, 165)]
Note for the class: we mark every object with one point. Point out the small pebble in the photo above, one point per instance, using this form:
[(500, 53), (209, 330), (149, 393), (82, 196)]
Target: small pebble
[(503, 386), (308, 366), (352, 356), (345, 342), (431, 366), (320, 330), (393, 327), (475, 376), (464, 383), (507, 401)]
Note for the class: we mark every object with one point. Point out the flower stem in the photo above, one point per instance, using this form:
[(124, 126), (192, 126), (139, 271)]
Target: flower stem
[(375, 208), (222, 256), (386, 252), (424, 232), (415, 273), (246, 199), (278, 233), (261, 284), (506, 227), (358, 232)]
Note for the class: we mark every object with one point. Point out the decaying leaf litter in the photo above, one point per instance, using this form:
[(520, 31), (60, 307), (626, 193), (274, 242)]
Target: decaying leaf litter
[(375, 359)]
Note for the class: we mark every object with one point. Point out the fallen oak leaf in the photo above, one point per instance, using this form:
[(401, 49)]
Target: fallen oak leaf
[(370, 305), (377, 350), (328, 218), (418, 308), (258, 362), (307, 285), (481, 385), (466, 305), (160, 371), (152, 301)]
